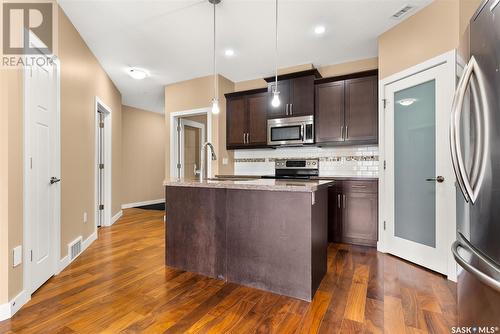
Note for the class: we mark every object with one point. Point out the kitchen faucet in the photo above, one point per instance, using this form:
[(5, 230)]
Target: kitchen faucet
[(214, 157)]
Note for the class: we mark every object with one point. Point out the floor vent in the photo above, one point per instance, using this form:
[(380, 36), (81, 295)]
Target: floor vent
[(402, 12), (75, 248)]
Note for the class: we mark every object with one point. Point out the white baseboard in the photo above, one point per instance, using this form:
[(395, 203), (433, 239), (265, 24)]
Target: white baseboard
[(7, 310), (133, 205), (116, 217), (65, 261)]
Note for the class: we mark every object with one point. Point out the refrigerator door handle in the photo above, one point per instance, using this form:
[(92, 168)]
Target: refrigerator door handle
[(470, 186), (481, 276)]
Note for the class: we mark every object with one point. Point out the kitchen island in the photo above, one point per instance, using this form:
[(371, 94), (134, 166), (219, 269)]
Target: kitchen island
[(264, 233)]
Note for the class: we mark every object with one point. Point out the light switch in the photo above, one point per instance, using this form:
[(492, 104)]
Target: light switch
[(225, 161), (85, 217), (17, 254)]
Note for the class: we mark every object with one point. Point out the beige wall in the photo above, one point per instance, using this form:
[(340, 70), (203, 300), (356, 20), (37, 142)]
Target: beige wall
[(430, 32), (467, 9), (82, 78), (15, 174), (194, 94), (325, 71), (4, 190), (143, 134)]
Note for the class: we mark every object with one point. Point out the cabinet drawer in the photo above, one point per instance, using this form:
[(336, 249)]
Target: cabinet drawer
[(365, 186)]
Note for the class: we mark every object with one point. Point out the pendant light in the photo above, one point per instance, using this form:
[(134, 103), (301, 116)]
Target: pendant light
[(275, 102), (215, 100)]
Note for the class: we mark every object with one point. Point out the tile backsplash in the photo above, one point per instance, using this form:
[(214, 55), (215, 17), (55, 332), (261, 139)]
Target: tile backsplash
[(333, 161)]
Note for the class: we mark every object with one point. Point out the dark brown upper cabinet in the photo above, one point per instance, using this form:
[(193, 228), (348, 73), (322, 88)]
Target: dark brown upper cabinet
[(246, 120), (296, 94), (361, 112), (346, 109), (330, 112)]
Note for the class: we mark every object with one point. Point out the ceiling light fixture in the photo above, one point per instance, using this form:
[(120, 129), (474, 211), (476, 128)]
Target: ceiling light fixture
[(407, 102), (215, 100), (319, 30), (137, 73), (229, 52), (275, 102)]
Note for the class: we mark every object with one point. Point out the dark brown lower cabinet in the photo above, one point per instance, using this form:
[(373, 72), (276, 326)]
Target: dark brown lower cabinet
[(353, 212)]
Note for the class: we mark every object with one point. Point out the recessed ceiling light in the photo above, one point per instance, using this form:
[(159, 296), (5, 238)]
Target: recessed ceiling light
[(229, 52), (407, 102), (319, 30), (137, 73)]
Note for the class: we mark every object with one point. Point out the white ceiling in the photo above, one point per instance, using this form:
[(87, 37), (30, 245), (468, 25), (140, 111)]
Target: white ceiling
[(173, 38)]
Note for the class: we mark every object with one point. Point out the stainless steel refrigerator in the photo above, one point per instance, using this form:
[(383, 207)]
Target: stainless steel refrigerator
[(475, 149)]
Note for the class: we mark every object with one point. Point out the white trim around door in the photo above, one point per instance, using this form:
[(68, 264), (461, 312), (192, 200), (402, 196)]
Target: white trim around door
[(183, 123), (443, 69), (55, 150), (101, 107), (174, 140)]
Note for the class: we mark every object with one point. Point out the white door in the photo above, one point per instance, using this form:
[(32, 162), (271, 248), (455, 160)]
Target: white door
[(100, 168), (191, 139), (419, 177), (43, 187)]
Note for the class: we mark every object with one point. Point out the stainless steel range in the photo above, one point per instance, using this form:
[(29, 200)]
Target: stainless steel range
[(295, 169)]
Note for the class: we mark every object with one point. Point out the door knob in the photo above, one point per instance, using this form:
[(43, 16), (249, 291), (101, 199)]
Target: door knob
[(438, 179), (54, 180)]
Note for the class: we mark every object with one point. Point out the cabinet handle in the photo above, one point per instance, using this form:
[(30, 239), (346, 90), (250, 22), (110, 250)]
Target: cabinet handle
[(342, 132), (244, 138), (338, 200), (291, 109), (248, 138), (286, 109), (347, 132), (344, 200)]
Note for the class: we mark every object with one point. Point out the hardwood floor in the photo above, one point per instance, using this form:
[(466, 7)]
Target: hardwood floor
[(121, 285)]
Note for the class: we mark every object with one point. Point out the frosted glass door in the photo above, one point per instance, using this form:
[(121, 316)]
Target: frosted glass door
[(418, 179), (415, 163)]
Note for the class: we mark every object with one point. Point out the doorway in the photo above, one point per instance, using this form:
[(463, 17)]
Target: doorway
[(418, 180), (188, 131), (191, 134), (103, 164), (42, 174)]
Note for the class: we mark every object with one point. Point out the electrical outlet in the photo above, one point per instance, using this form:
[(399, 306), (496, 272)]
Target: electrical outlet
[(17, 256), (225, 161), (85, 217)]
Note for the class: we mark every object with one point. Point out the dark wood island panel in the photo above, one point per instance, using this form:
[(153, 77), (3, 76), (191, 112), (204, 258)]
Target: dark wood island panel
[(271, 240)]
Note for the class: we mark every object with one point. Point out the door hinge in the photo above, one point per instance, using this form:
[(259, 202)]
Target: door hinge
[(385, 164), (101, 206), (385, 103), (385, 225), (101, 166), (31, 255), (31, 163), (101, 125)]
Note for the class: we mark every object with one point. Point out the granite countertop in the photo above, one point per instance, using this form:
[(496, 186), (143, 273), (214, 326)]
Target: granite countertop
[(252, 184)]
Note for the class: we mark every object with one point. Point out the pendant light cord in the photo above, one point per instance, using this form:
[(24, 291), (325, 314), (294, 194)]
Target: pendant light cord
[(216, 89), (276, 50)]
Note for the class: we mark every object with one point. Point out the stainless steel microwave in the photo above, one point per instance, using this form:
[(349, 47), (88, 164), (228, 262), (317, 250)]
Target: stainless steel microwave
[(290, 131)]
